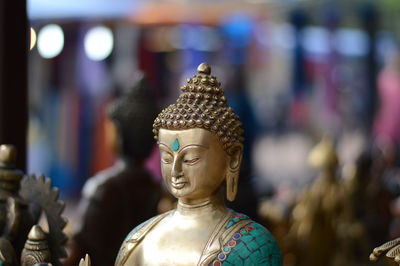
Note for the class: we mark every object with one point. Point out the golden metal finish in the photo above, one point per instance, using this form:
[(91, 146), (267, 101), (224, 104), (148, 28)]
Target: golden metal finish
[(36, 249), (8, 156), (312, 235), (202, 105), (86, 261), (391, 248), (194, 174), (200, 144), (22, 201)]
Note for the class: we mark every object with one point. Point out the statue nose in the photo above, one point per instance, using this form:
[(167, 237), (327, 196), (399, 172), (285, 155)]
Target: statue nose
[(176, 169)]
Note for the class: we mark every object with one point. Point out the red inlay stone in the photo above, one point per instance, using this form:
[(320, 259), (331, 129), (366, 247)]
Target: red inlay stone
[(249, 227), (217, 263), (232, 243)]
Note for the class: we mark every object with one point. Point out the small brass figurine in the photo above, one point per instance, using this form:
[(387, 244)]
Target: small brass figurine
[(200, 140), (315, 216), (125, 194), (36, 249)]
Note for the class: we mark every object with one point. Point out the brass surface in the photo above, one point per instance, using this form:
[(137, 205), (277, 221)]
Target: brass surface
[(85, 262), (200, 144), (8, 155), (202, 104), (194, 174), (22, 201), (36, 249), (391, 248), (312, 236)]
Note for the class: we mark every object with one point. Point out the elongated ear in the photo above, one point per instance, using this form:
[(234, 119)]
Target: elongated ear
[(235, 154)]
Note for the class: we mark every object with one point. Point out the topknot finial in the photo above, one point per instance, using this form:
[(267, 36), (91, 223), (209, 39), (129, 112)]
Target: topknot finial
[(36, 233), (204, 68)]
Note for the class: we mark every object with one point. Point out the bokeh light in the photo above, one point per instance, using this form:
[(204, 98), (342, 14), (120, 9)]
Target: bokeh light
[(50, 41), (33, 39), (99, 43)]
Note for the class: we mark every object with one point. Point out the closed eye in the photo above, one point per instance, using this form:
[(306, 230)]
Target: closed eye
[(191, 161), (167, 161), (166, 157)]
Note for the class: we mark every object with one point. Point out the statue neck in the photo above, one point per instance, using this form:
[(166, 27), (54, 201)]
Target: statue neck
[(212, 204)]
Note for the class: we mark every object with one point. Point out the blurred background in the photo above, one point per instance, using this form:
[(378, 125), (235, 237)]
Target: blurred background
[(295, 71)]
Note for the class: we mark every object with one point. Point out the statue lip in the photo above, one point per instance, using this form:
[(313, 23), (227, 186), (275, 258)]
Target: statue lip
[(178, 185)]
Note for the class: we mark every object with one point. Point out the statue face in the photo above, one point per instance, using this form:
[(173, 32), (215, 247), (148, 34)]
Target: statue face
[(193, 163)]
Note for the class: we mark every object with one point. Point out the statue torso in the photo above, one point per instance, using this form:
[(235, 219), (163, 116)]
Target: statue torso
[(212, 237), (180, 239)]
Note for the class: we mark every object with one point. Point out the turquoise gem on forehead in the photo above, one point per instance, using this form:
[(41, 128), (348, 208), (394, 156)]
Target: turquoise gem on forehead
[(175, 145)]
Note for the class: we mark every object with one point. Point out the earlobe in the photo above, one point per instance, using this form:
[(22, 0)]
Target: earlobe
[(231, 185)]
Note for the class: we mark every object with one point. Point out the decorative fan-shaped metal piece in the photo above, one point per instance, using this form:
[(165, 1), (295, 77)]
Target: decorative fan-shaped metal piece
[(37, 190)]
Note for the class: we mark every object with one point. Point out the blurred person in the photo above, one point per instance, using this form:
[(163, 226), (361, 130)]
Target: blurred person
[(125, 194), (387, 135), (387, 121)]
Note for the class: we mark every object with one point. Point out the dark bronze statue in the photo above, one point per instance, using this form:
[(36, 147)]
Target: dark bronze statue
[(126, 193), (22, 200)]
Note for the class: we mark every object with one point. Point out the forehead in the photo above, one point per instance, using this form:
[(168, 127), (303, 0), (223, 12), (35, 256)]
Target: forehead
[(187, 136)]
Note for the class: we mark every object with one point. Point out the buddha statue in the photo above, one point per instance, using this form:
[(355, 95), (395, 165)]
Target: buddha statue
[(200, 141), (312, 236), (126, 193)]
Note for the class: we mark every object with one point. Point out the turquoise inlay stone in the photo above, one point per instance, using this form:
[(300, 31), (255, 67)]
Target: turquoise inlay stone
[(236, 219), (230, 223), (227, 249), (256, 246), (175, 145)]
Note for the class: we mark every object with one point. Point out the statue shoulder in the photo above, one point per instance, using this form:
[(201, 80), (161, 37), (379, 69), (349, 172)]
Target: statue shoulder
[(135, 236), (249, 242)]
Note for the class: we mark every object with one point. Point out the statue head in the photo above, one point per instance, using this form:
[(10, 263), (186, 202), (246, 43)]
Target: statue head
[(132, 116), (200, 140)]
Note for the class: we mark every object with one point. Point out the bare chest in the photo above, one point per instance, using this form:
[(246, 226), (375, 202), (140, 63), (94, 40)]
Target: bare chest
[(174, 242)]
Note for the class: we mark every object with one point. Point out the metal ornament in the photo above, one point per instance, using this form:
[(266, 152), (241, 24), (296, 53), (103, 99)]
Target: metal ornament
[(391, 248), (86, 261), (39, 191), (22, 201), (36, 249)]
